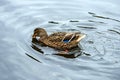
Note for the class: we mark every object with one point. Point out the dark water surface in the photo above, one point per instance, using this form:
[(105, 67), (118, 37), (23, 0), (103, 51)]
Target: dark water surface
[(98, 19)]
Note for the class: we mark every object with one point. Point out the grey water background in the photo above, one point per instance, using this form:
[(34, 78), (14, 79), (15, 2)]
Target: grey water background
[(98, 19)]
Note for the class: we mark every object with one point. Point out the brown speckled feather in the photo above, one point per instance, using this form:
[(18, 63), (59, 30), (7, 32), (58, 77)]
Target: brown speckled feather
[(55, 40)]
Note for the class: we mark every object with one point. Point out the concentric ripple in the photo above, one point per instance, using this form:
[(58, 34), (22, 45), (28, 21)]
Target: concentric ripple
[(99, 20)]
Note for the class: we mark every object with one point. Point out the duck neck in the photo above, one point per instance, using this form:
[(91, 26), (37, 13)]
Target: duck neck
[(43, 36)]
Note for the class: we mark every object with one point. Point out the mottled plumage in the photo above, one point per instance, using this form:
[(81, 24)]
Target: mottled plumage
[(58, 40)]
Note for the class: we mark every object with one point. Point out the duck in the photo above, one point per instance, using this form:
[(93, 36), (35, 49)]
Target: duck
[(58, 40)]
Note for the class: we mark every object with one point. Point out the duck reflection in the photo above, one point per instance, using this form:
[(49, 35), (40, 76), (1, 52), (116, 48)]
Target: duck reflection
[(73, 53)]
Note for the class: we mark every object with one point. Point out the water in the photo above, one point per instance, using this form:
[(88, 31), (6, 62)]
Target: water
[(99, 20)]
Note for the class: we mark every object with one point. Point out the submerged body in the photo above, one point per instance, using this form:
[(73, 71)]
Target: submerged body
[(58, 40)]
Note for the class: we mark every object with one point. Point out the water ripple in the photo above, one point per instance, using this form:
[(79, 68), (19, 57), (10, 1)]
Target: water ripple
[(20, 60)]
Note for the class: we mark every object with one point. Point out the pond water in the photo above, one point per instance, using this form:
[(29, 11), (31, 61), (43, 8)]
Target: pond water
[(98, 19)]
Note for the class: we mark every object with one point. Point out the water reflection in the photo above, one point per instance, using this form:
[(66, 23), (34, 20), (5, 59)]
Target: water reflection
[(94, 15), (98, 19), (73, 53)]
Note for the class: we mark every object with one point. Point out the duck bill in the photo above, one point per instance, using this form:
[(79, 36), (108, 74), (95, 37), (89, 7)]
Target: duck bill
[(81, 36), (34, 35)]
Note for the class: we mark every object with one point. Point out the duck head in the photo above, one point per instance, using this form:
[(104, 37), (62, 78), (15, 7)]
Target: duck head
[(40, 33)]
